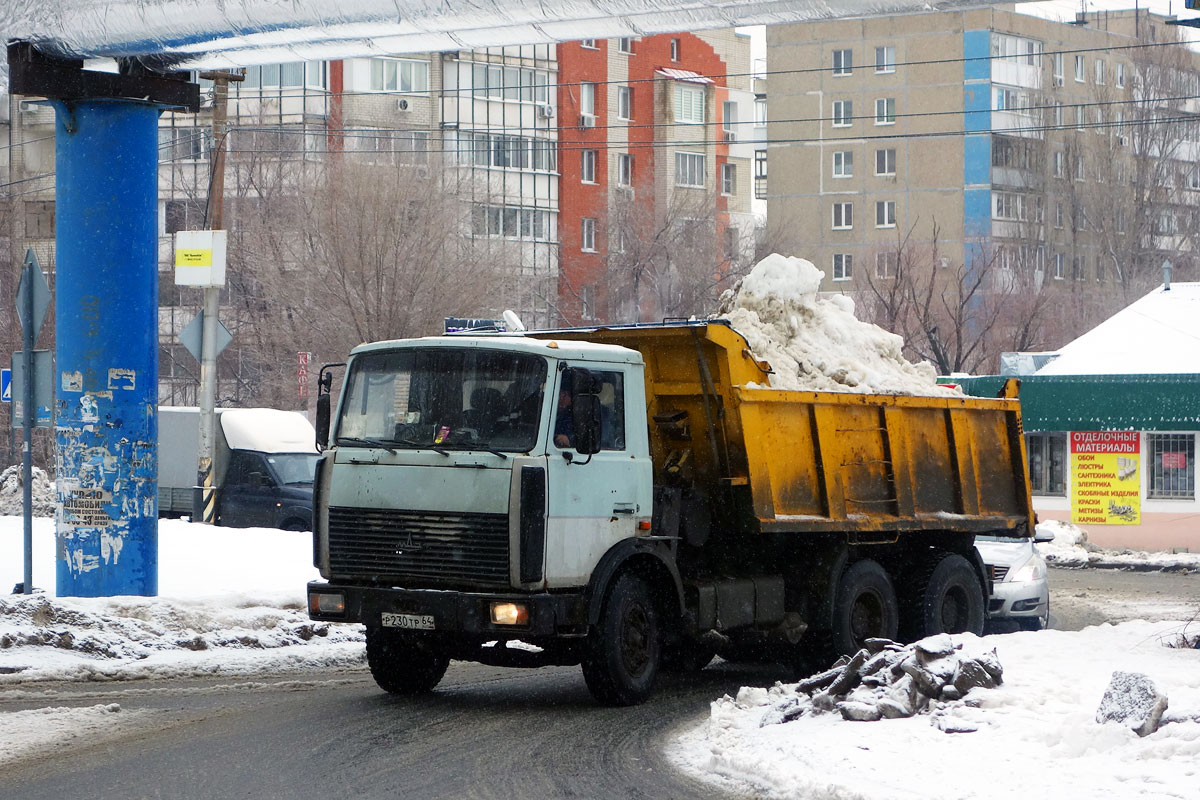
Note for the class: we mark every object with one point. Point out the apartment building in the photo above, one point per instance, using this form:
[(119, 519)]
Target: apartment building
[(655, 164), (1064, 152)]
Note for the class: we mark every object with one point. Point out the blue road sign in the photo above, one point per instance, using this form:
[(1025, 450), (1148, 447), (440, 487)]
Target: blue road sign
[(6, 385)]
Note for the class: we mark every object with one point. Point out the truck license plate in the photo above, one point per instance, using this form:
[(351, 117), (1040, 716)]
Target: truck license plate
[(412, 622)]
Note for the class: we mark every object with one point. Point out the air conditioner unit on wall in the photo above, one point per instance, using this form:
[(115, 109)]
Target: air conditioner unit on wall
[(730, 136), (545, 111), (587, 120)]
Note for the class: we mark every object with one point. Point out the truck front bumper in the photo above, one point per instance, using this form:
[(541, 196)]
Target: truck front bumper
[(466, 614)]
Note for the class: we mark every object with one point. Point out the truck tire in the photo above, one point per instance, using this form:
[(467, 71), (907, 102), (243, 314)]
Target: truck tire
[(402, 663), (865, 607), (624, 650), (953, 601)]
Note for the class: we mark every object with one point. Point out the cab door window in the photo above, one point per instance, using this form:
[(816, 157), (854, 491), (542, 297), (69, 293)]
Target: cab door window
[(612, 411)]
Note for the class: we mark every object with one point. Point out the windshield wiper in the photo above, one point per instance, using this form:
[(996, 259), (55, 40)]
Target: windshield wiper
[(412, 443), (367, 441), (494, 451)]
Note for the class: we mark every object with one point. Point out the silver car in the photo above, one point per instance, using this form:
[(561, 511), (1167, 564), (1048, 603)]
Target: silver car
[(1020, 589)]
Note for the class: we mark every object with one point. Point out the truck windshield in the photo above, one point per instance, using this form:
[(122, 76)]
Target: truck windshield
[(443, 398), (293, 467)]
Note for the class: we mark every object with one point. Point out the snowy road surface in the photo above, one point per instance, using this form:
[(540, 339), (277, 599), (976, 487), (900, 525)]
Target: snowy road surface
[(223, 688)]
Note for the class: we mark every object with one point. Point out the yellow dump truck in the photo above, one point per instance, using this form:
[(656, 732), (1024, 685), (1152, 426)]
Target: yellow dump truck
[(633, 498)]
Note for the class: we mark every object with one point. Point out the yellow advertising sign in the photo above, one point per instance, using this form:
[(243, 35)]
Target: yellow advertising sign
[(193, 258), (1105, 484)]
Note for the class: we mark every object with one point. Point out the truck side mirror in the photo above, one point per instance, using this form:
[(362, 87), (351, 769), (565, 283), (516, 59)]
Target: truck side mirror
[(585, 408), (324, 386)]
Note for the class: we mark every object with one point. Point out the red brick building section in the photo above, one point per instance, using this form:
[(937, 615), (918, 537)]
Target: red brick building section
[(585, 291)]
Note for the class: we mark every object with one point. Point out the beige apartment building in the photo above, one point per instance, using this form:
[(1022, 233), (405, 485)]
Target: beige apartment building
[(987, 139)]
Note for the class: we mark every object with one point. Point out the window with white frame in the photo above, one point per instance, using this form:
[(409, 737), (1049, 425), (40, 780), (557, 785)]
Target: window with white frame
[(843, 266), (1060, 268), (760, 112), (1120, 76), (1080, 70), (1047, 463), (843, 62), (625, 45), (1017, 49), (885, 59), (1058, 215), (624, 169), (885, 161), (1100, 72), (587, 301), (675, 49), (624, 102), (885, 111), (587, 99), (511, 222), (1007, 99), (729, 118), (689, 170), (1060, 164), (760, 174), (843, 163), (885, 265), (1172, 465), (689, 103), (843, 216), (1058, 114), (587, 166), (588, 43), (885, 213), (729, 179), (497, 82), (587, 239), (395, 75), (1057, 69), (843, 113), (503, 150)]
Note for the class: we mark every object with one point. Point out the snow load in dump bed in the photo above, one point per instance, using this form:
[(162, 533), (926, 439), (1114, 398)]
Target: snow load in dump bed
[(268, 430)]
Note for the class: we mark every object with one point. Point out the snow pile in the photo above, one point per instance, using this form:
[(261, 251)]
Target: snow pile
[(43, 638), (12, 496), (1067, 549), (883, 680), (44, 729), (1072, 550), (1036, 736), (816, 343)]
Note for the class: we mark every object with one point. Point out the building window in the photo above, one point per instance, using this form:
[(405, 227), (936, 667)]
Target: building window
[(843, 62), (1080, 72), (1058, 215), (729, 118), (624, 102), (1120, 68), (729, 179), (590, 44), (587, 99), (760, 174), (587, 301), (1047, 462), (885, 161), (689, 103), (511, 222), (1060, 164), (760, 112), (1099, 71), (885, 59), (1172, 465), (625, 45), (499, 150), (843, 113), (1059, 267), (393, 75), (1058, 114), (510, 83), (843, 266), (587, 241), (587, 166), (885, 111), (674, 49), (689, 170), (624, 169), (1079, 173), (885, 265), (843, 163), (885, 214), (1058, 69), (843, 216)]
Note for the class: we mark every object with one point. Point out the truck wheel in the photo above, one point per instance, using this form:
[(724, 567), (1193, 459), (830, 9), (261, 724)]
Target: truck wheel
[(953, 601), (623, 651), (865, 607), (402, 663)]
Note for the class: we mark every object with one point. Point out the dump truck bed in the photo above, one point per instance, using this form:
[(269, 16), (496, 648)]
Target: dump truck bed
[(865, 464)]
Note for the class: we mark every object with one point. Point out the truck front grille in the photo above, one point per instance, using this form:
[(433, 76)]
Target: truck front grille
[(425, 548)]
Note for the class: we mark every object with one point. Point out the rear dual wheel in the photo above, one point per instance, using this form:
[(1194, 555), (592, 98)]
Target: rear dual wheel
[(865, 607)]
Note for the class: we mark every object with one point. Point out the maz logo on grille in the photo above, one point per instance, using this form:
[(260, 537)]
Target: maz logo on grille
[(409, 545)]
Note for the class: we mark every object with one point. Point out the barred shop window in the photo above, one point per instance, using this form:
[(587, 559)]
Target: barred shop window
[(1172, 465)]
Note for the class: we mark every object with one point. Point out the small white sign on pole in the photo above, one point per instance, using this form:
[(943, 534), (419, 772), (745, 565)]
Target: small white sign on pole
[(200, 258)]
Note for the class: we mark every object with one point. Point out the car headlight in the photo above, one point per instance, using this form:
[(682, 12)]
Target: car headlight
[(1032, 570)]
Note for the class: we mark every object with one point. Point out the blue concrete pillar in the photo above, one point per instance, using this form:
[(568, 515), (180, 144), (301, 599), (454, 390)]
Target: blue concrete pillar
[(106, 353)]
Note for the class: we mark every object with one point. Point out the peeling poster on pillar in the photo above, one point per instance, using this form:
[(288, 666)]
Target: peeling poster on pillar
[(1105, 480), (85, 508)]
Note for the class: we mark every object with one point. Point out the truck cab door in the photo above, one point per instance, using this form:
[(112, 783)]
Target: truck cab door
[(248, 497), (595, 502)]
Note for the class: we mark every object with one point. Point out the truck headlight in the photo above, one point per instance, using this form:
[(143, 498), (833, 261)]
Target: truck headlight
[(1032, 570), (510, 614), (327, 603)]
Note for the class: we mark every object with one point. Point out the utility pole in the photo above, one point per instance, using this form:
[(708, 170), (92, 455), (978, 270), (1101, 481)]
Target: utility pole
[(204, 505)]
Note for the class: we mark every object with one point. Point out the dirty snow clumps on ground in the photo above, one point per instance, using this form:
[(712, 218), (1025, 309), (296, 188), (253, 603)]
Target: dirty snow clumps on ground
[(1030, 731), (816, 343), (12, 495), (1072, 550)]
